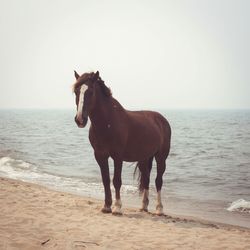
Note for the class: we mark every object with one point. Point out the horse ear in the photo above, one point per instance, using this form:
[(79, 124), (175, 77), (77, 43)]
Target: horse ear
[(76, 75), (96, 76)]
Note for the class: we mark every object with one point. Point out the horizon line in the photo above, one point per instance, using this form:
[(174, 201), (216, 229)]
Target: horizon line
[(131, 108)]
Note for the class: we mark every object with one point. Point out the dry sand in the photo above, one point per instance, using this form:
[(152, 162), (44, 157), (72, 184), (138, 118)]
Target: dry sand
[(34, 217)]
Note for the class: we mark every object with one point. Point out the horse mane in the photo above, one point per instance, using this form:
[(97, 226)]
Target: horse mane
[(105, 90)]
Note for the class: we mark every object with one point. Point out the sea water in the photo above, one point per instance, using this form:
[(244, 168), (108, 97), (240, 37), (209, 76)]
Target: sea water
[(208, 169)]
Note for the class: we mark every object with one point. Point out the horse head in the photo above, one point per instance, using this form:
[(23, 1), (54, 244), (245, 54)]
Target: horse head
[(84, 90)]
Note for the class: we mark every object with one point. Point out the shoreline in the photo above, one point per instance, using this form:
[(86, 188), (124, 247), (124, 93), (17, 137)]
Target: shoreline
[(36, 217), (173, 206)]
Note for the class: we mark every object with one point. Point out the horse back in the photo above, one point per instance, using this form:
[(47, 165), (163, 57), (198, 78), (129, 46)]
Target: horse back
[(149, 121)]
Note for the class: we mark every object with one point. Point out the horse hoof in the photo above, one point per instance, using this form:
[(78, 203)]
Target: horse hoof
[(159, 212), (106, 210), (143, 210), (117, 211)]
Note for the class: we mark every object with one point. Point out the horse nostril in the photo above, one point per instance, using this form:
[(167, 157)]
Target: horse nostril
[(77, 122)]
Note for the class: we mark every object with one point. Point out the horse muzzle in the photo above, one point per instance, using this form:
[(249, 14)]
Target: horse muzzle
[(82, 122)]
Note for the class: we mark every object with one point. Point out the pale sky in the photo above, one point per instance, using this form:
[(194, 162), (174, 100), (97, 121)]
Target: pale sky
[(153, 54)]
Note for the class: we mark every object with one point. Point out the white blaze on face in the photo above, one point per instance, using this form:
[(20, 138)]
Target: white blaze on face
[(83, 89)]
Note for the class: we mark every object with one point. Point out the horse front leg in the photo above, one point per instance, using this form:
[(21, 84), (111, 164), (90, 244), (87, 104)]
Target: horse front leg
[(117, 181), (104, 167)]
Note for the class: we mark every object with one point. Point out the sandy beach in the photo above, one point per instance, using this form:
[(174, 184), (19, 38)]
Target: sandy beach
[(34, 217)]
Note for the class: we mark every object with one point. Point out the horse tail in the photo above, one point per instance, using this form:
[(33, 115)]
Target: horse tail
[(143, 178), (137, 172)]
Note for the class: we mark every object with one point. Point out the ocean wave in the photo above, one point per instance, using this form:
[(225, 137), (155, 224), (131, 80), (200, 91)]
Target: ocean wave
[(240, 205), (21, 170), (8, 161), (14, 168)]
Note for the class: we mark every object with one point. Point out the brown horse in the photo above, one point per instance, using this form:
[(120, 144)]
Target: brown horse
[(132, 136)]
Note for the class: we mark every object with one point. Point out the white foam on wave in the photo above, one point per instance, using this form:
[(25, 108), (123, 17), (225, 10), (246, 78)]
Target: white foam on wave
[(240, 205), (13, 168), (21, 170), (7, 161)]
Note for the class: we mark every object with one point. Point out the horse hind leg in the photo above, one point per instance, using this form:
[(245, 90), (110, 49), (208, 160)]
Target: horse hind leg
[(145, 168), (161, 167)]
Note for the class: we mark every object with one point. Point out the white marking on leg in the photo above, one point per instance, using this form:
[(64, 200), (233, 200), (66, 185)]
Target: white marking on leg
[(117, 209), (159, 207), (83, 89), (158, 197), (145, 200)]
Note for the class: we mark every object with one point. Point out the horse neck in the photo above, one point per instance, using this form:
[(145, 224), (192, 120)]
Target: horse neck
[(103, 112)]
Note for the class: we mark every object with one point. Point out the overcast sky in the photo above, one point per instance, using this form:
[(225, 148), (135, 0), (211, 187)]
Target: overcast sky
[(153, 54)]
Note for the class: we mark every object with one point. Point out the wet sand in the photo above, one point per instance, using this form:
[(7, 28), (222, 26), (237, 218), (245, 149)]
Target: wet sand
[(34, 217)]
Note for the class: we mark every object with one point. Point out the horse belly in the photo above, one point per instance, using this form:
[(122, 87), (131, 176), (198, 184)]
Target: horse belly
[(143, 148)]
